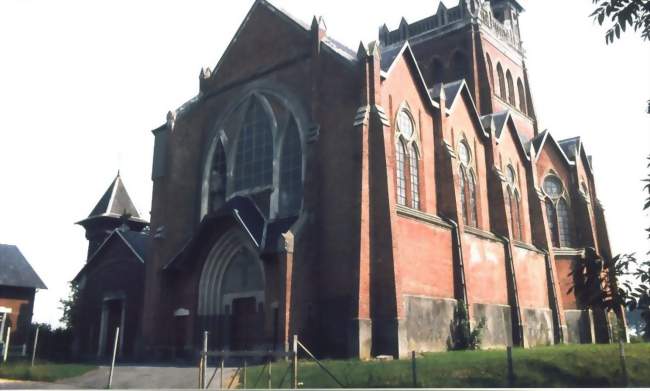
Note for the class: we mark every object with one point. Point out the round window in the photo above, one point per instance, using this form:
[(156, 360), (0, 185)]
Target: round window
[(405, 124), (553, 187)]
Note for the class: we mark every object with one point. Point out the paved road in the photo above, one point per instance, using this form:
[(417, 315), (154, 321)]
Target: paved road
[(128, 377)]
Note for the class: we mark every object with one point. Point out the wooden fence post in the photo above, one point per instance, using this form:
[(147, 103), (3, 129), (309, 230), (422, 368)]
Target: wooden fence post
[(35, 344), (413, 370), (110, 373), (6, 352), (294, 357), (511, 368)]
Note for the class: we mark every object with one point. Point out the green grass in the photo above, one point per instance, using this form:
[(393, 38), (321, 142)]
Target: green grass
[(42, 371), (555, 366)]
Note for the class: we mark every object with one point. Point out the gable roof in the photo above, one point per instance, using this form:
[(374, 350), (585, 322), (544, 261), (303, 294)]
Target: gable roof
[(330, 44), (136, 242), (498, 122), (574, 148), (452, 91), (16, 271), (538, 142)]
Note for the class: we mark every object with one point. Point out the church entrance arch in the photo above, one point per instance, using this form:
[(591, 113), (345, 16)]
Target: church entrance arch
[(232, 293)]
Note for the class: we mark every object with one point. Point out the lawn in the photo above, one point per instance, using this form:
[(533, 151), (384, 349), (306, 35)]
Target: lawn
[(42, 371), (556, 366)]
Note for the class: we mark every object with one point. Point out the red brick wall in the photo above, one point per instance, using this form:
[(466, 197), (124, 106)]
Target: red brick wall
[(530, 269), (21, 302), (485, 270)]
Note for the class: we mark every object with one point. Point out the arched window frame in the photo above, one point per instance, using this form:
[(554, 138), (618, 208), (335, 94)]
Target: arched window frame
[(284, 107), (513, 202), (522, 97), (409, 168), (511, 89), (560, 220), (490, 71), (467, 185), (218, 174), (502, 81)]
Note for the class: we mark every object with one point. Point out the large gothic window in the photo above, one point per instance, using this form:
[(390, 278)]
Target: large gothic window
[(557, 211), (502, 82), (463, 198), (218, 174), (408, 191), (511, 89), (522, 97), (254, 159), (401, 176), (290, 170), (260, 143)]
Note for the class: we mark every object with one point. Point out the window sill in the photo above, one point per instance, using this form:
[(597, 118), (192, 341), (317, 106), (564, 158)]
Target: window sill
[(405, 211)]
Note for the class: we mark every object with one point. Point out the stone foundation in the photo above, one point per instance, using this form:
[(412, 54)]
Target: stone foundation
[(538, 326), (428, 323), (497, 332), (579, 326)]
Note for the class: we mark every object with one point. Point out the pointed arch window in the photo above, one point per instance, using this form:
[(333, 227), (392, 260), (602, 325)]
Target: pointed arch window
[(254, 158), (218, 174), (558, 212), (511, 89), (551, 216), (490, 71), (463, 197), (513, 202), (502, 82), (291, 170), (415, 176), (522, 96), (563, 225), (472, 199), (467, 185), (401, 176)]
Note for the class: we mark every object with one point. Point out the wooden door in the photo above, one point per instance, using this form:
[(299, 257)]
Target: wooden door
[(243, 324)]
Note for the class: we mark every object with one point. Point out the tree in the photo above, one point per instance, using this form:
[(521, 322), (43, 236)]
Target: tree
[(623, 14), (70, 307)]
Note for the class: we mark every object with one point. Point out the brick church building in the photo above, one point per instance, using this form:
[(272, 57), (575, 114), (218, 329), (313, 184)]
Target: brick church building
[(357, 197)]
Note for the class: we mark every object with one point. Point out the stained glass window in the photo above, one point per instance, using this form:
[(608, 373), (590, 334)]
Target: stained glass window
[(553, 187), (254, 159), (463, 198), (218, 177), (551, 216), (472, 200)]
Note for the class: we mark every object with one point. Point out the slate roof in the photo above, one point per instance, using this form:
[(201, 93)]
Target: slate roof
[(570, 147), (137, 242), (451, 89), (16, 271), (115, 201)]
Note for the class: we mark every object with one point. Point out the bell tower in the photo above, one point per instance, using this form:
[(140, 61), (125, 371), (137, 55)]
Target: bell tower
[(113, 210)]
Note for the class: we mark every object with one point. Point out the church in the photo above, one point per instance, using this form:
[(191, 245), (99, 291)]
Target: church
[(356, 198)]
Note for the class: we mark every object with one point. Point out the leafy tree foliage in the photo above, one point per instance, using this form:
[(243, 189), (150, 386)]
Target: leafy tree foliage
[(623, 14), (70, 307)]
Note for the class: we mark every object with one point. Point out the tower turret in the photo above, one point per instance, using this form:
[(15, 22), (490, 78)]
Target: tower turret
[(115, 209)]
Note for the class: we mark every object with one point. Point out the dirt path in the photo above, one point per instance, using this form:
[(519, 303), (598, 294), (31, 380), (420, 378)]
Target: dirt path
[(128, 377)]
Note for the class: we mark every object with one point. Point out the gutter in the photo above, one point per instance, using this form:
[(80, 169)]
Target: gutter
[(462, 288)]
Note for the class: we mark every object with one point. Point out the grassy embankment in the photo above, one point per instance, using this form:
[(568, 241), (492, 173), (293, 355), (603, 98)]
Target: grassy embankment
[(556, 366), (42, 371)]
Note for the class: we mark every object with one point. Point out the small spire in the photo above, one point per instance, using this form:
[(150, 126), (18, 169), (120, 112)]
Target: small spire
[(361, 51)]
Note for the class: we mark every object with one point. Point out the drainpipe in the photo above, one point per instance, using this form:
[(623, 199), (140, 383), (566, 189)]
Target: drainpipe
[(461, 266), (557, 320), (515, 309)]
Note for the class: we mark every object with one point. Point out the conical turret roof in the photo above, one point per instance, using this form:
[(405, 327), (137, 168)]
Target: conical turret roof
[(115, 203)]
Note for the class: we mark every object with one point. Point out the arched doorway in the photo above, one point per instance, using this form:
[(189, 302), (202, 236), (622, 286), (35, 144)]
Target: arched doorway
[(232, 294)]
